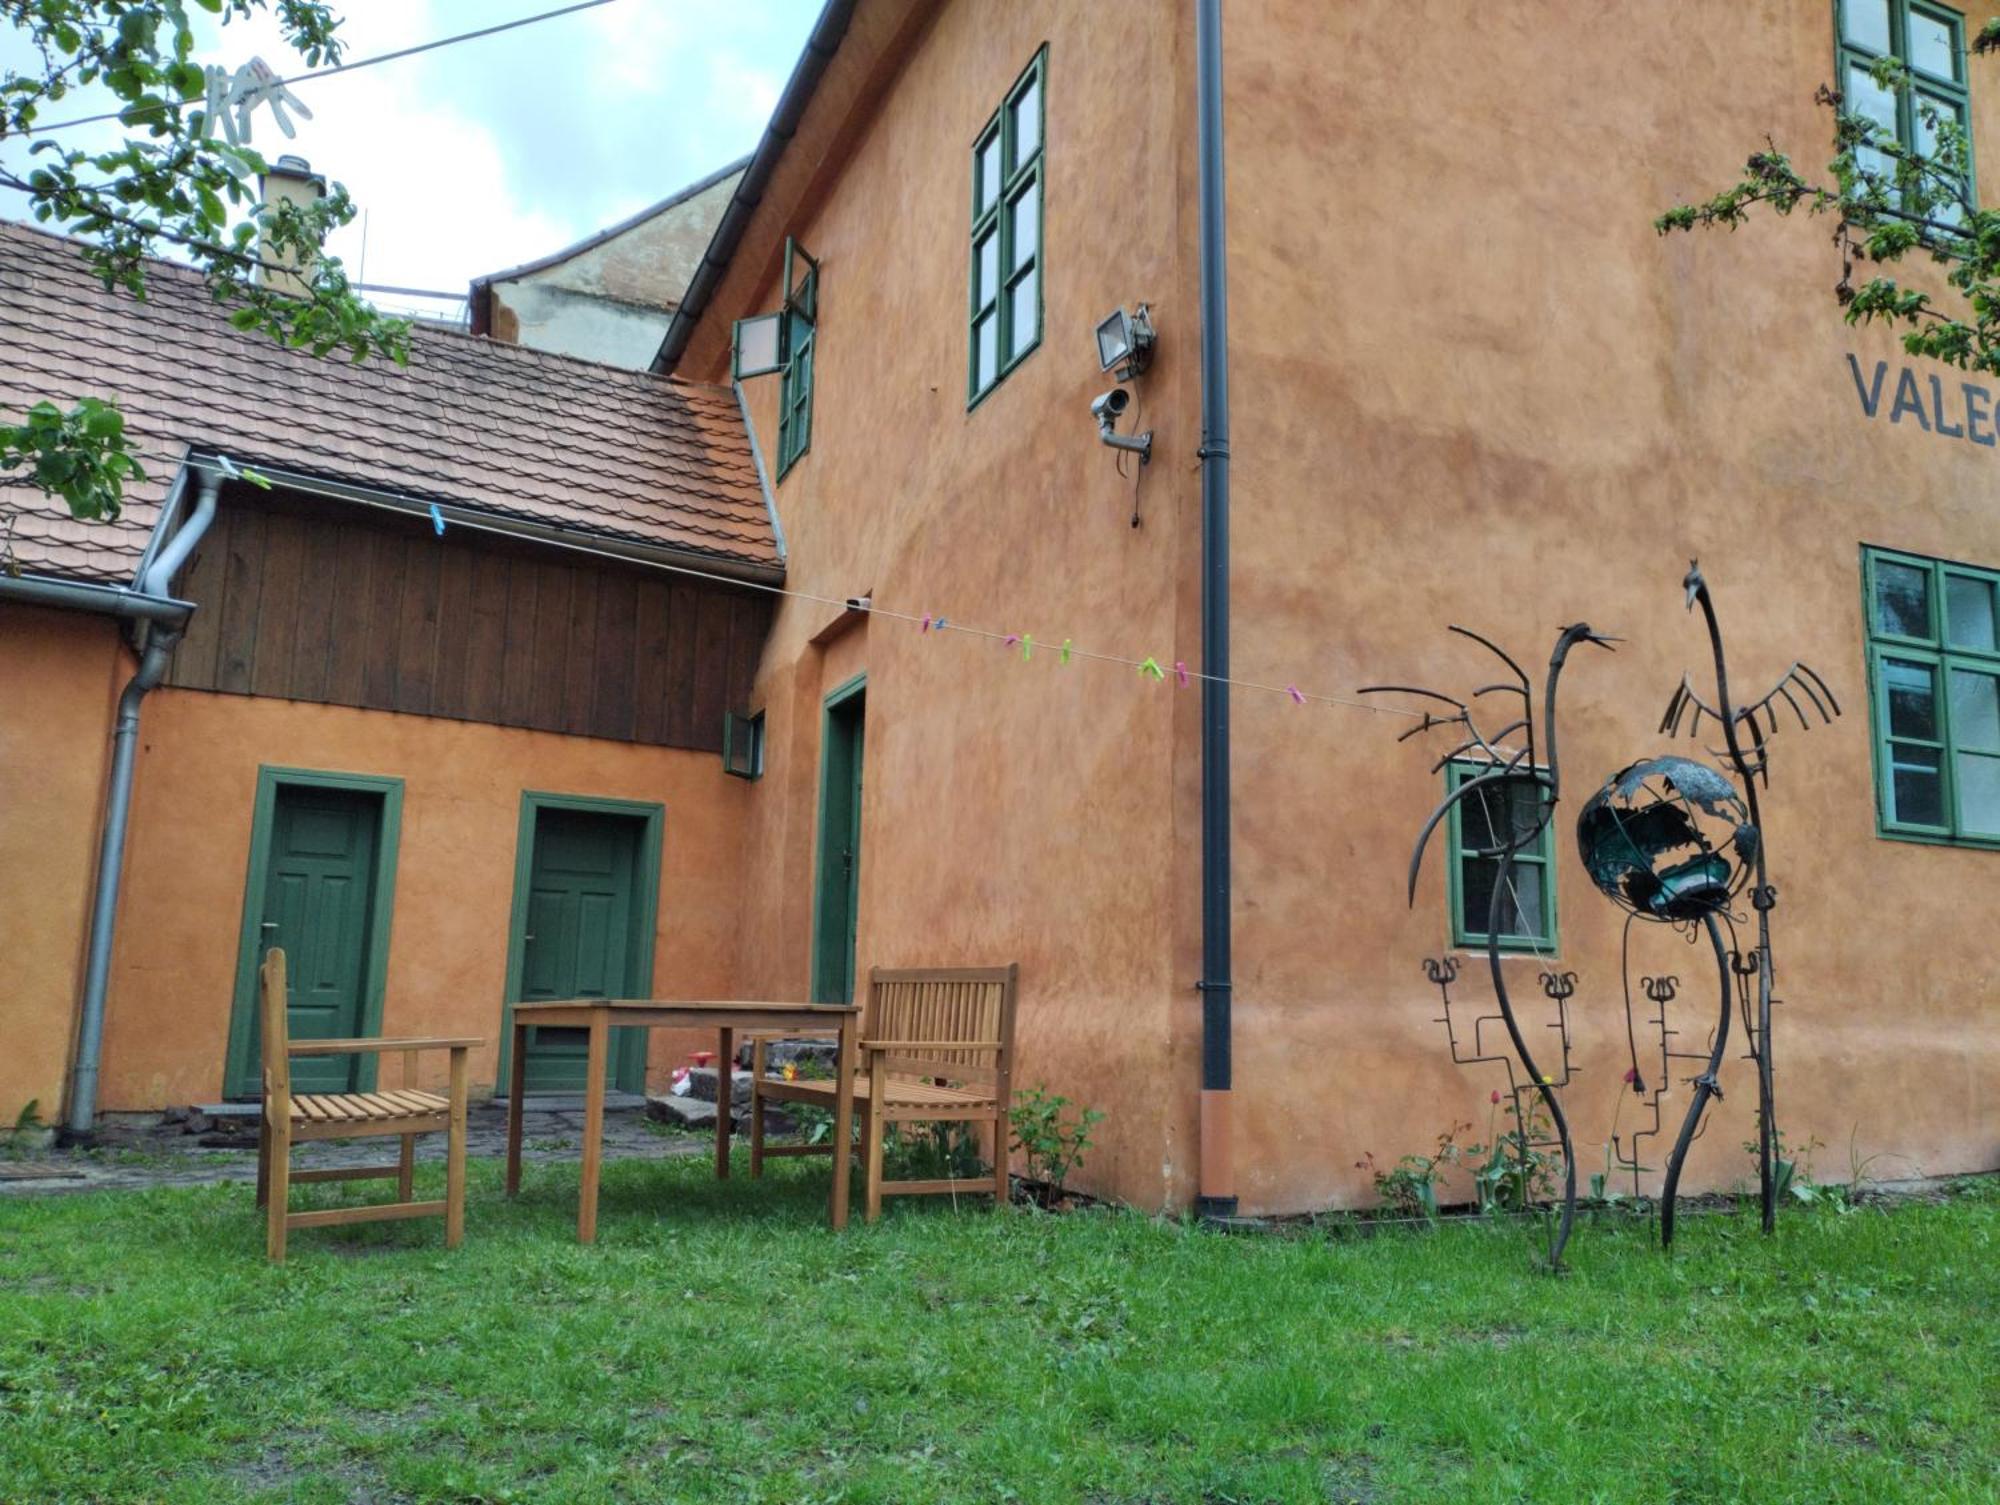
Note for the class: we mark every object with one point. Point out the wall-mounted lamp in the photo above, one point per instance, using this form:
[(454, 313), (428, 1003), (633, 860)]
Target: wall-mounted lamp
[(1126, 342)]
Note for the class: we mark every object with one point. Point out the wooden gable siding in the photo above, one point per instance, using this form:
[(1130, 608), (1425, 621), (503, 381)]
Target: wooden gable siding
[(323, 603)]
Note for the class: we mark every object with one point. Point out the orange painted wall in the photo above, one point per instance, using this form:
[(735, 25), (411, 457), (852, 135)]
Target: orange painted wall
[(60, 674), (1012, 811), (167, 1018), (1472, 385)]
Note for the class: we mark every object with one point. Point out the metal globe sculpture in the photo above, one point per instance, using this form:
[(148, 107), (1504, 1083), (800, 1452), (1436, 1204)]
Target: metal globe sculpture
[(1668, 839)]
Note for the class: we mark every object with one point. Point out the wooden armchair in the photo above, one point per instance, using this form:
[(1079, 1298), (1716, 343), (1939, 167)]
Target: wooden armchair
[(937, 1046), (341, 1115)]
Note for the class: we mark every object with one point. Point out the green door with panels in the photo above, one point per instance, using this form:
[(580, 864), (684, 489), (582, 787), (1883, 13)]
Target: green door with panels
[(837, 907), (582, 930), (318, 903)]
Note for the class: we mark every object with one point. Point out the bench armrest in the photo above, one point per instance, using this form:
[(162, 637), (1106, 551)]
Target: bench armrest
[(359, 1047), (893, 1046)]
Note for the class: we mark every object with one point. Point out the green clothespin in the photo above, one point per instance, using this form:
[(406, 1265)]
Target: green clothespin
[(1065, 651), (1151, 667), (1027, 646)]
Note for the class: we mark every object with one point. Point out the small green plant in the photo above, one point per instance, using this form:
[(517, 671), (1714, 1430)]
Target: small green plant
[(1791, 1168), (932, 1152), (1517, 1172), (1409, 1187), (1054, 1147)]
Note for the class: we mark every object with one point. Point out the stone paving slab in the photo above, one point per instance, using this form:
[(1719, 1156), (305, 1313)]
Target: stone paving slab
[(139, 1151)]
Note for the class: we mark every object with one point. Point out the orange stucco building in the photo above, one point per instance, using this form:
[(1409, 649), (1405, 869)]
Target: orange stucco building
[(1469, 384)]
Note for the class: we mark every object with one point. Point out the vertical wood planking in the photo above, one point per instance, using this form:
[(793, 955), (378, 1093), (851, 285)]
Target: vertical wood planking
[(242, 589), (649, 651), (680, 728), (347, 623), (385, 619), (615, 670), (486, 637), (517, 698), (278, 610), (580, 679), (711, 669), (200, 581), (455, 625), (551, 647), (318, 605), (417, 634), (318, 579)]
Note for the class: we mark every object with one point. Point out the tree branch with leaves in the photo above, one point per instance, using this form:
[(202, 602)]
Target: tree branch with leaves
[(1889, 200), (174, 184)]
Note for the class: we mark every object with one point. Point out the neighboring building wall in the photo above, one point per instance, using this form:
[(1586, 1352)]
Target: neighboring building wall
[(60, 675), (1012, 811), (612, 301), (1472, 385), (167, 1019)]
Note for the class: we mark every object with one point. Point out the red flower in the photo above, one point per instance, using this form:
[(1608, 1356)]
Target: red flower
[(1631, 1075), (1496, 1096)]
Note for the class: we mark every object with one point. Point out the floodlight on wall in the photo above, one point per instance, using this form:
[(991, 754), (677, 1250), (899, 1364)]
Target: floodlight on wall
[(1125, 341), (758, 346)]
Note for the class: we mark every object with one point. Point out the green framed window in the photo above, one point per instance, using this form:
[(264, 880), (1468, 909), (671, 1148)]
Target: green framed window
[(1006, 313), (1929, 39), (1934, 697), (1480, 827), (801, 320)]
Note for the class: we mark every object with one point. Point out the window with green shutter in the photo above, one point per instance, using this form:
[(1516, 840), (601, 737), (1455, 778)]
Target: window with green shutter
[(1006, 316), (801, 316), (1934, 697), (1481, 826), (1929, 40)]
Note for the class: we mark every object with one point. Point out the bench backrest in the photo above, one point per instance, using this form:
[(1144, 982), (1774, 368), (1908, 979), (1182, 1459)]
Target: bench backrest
[(271, 1012), (973, 1004)]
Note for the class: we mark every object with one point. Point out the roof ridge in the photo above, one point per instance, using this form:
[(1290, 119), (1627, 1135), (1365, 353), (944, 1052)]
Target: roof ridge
[(180, 271)]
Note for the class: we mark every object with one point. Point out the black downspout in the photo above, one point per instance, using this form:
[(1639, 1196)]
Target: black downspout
[(1216, 1185)]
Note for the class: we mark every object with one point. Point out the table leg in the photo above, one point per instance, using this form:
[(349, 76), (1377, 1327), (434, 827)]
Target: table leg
[(843, 1121), (725, 1100), (593, 1126), (517, 1076)]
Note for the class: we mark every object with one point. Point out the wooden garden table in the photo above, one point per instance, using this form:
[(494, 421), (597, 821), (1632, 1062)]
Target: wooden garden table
[(602, 1015)]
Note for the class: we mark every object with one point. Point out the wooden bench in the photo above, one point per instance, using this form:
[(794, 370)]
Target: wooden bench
[(406, 1111), (937, 1046)]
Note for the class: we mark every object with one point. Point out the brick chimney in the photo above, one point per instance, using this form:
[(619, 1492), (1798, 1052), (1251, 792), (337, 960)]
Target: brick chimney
[(291, 180)]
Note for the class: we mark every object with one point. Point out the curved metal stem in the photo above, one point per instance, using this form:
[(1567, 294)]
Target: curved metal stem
[(1704, 1086), (1503, 884), (1761, 897)]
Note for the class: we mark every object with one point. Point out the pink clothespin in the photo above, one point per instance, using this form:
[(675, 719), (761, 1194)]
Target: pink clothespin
[(1180, 672), (1293, 691)]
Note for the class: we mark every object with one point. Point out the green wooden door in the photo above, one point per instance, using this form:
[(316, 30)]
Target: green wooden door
[(581, 932), (318, 903), (839, 879)]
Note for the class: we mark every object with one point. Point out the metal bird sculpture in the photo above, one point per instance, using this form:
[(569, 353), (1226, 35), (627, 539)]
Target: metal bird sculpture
[(1502, 765)]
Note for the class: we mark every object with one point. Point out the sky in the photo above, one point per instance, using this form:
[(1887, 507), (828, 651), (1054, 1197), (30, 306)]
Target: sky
[(478, 157)]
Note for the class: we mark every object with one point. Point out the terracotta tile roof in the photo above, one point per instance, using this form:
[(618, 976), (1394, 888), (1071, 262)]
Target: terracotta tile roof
[(501, 428)]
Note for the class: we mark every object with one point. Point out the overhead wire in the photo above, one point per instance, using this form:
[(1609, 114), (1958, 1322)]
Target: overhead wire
[(132, 114)]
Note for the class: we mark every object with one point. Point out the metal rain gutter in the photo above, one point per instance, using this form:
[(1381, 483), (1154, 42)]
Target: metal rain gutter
[(142, 605), (1216, 1177), (820, 48)]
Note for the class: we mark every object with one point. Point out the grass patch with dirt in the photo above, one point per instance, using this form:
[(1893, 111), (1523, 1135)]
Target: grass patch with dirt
[(719, 1343)]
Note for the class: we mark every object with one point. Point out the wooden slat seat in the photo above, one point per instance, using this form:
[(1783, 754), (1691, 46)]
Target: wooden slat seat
[(372, 1108), (937, 1047), (405, 1112)]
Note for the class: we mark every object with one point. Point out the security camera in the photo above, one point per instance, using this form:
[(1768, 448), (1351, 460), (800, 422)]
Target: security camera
[(1106, 410)]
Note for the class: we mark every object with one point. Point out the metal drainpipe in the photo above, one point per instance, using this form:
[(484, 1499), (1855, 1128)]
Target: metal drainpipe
[(1216, 1183), (153, 661)]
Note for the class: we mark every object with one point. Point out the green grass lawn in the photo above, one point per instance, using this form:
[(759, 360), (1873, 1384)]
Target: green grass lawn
[(720, 1344)]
